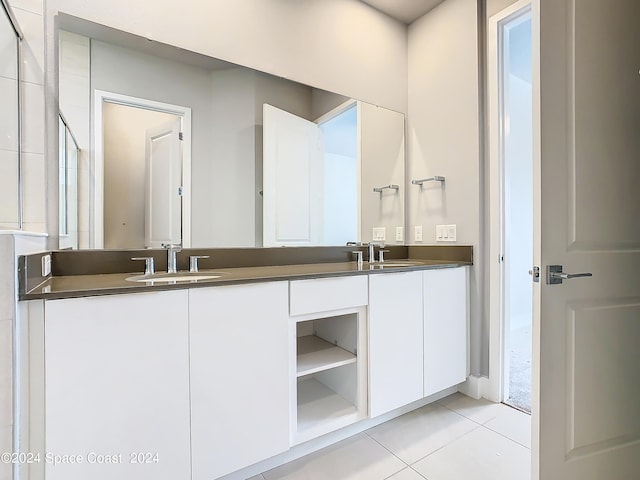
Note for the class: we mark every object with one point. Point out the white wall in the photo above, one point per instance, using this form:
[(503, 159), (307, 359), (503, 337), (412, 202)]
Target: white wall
[(495, 6), (382, 156), (443, 138), (337, 45), (227, 217)]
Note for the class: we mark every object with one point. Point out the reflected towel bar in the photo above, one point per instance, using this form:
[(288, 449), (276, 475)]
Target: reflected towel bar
[(380, 189), (437, 178)]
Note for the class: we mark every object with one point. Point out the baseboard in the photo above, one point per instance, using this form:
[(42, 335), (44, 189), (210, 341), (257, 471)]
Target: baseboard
[(475, 387)]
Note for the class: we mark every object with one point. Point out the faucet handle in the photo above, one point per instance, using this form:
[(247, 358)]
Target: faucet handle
[(358, 254), (149, 266), (381, 255), (193, 262)]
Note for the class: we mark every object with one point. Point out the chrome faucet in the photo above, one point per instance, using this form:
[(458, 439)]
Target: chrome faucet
[(172, 250), (372, 251)]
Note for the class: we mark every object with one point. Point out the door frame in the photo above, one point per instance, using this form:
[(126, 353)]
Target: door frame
[(96, 225), (495, 183)]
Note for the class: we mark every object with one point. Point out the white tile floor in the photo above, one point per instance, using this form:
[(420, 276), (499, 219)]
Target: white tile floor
[(457, 438)]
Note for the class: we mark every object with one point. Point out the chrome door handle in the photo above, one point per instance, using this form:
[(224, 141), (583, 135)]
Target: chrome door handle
[(555, 275), (535, 273)]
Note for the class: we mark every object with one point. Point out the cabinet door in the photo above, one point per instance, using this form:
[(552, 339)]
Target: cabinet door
[(117, 387), (395, 341), (445, 328), (239, 337)]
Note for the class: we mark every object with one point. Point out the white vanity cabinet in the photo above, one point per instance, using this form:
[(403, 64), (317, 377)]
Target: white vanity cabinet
[(446, 325), (395, 341), (239, 350), (200, 383), (329, 378), (117, 387)]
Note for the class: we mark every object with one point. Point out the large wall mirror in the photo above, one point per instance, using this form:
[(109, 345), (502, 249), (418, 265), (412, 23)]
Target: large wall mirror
[(176, 147), (10, 181)]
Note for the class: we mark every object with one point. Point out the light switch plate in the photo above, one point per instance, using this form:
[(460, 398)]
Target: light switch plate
[(400, 234), (379, 234), (446, 233), (418, 233), (451, 233)]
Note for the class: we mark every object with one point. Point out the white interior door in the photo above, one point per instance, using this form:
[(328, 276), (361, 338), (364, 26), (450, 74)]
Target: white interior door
[(292, 180), (586, 414), (163, 182)]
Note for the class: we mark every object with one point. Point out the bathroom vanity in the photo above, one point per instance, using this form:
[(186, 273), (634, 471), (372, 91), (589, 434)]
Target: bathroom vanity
[(203, 379)]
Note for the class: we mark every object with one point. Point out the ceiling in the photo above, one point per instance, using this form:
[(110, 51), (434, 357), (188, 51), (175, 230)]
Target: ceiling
[(406, 11)]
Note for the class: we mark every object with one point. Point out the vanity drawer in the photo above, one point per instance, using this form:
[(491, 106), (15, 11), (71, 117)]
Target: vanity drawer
[(324, 294)]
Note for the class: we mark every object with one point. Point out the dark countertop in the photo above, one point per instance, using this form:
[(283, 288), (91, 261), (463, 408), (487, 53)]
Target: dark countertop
[(70, 286)]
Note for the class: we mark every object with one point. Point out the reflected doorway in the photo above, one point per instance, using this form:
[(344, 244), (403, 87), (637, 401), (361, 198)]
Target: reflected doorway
[(511, 203), (134, 137), (341, 172)]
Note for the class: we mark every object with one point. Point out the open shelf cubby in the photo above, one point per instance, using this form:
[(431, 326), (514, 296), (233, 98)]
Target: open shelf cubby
[(316, 355), (329, 375)]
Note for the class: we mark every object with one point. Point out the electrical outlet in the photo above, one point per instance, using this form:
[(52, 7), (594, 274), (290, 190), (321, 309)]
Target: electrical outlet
[(418, 233), (379, 234), (46, 265), (400, 234)]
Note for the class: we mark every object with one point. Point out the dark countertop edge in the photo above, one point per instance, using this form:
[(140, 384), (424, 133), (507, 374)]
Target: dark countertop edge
[(37, 293)]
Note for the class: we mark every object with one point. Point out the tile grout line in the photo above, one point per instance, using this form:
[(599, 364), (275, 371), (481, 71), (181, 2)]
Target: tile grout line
[(484, 424), (464, 416), (376, 441), (478, 425), (507, 437), (409, 467), (446, 445)]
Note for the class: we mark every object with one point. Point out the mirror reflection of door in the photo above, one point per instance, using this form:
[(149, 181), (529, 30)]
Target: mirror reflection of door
[(125, 143), (163, 185), (292, 180), (310, 178)]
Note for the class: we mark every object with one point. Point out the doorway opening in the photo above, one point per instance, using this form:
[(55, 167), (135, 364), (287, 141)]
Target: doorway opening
[(341, 172), (511, 204), (131, 136)]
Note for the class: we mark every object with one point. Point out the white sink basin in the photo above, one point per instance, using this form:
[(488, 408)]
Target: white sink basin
[(176, 277)]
